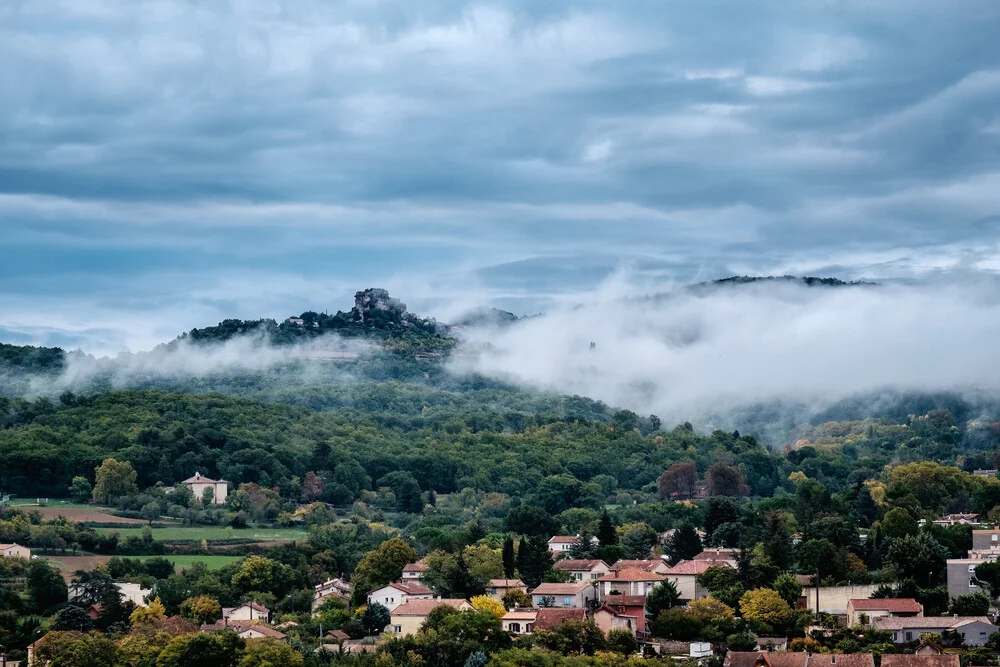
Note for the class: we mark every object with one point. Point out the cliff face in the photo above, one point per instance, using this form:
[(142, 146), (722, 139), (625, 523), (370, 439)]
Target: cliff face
[(368, 301)]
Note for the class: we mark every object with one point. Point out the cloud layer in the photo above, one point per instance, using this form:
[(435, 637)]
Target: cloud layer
[(693, 354), (168, 163)]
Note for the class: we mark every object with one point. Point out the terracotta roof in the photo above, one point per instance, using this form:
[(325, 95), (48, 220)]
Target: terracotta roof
[(424, 607), (892, 605), (926, 622), (632, 575), (911, 660), (506, 583), (625, 600), (338, 635), (570, 564), (414, 567), (648, 565), (841, 660), (521, 614), (718, 554), (563, 539), (226, 611), (696, 566), (560, 589), (547, 619), (411, 588)]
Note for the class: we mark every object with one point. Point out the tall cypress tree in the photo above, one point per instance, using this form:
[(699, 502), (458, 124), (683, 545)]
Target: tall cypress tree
[(606, 533), (508, 557)]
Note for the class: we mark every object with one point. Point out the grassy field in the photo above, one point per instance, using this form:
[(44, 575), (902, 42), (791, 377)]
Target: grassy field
[(213, 562), (210, 533), (55, 502)]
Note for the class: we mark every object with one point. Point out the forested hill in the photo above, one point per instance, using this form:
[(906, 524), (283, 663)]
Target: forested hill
[(31, 359), (375, 316)]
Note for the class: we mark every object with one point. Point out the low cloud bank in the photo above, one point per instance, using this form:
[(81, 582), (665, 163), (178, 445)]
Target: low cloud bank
[(694, 354)]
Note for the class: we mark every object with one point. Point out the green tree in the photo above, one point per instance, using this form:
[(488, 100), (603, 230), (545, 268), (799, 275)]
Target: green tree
[(637, 540), (684, 544), (663, 596), (80, 489), (970, 604), (46, 587), (381, 566), (584, 547), (531, 520), (788, 587), (572, 638), (898, 522), (375, 618), (221, 649), (268, 652), (988, 575), (259, 573), (606, 534), (509, 557), (72, 649), (73, 618), (622, 640), (979, 655), (534, 560), (918, 557), (114, 480)]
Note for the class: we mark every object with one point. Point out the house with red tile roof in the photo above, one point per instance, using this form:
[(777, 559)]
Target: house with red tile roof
[(796, 659), (245, 629), (409, 616), (392, 595), (583, 570), (657, 565), (497, 588), (920, 660), (861, 612), (622, 611), (414, 573), (577, 594), (560, 544), (629, 582), (248, 611), (974, 630)]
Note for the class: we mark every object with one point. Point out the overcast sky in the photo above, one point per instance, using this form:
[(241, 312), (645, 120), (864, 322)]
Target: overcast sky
[(166, 164)]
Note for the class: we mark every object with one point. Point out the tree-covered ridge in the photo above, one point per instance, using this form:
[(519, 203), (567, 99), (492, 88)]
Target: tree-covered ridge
[(808, 281), (375, 315), (31, 359)]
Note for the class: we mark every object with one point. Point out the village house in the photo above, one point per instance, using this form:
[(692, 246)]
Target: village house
[(861, 612), (719, 553), (961, 572), (629, 582), (680, 650), (561, 544), (953, 519), (199, 484), (392, 595), (615, 608), (409, 616), (796, 659), (414, 573), (974, 630), (985, 539), (519, 621), (497, 588), (583, 570), (576, 595), (248, 611), (337, 588), (15, 551), (772, 643), (131, 592), (655, 565), (684, 576), (245, 629)]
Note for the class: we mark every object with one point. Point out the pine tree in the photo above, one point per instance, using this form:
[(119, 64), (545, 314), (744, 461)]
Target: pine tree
[(508, 557), (606, 533), (684, 543), (584, 547)]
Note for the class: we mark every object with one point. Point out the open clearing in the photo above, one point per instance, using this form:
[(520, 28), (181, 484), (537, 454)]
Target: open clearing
[(210, 533), (74, 511), (69, 564)]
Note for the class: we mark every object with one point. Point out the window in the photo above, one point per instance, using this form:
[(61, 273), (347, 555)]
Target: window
[(833, 660), (593, 576), (995, 537), (982, 635), (493, 591), (972, 568), (398, 629), (972, 583), (567, 601), (528, 627), (578, 576), (515, 627), (909, 636)]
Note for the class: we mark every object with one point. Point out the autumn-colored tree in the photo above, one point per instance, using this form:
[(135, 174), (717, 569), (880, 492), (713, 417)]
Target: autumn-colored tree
[(764, 605), (201, 609), (724, 480), (516, 597), (114, 480), (679, 478), (144, 615), (312, 487), (486, 603)]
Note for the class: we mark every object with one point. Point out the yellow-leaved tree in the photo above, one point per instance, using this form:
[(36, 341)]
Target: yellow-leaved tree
[(486, 603), (144, 615), (764, 605)]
